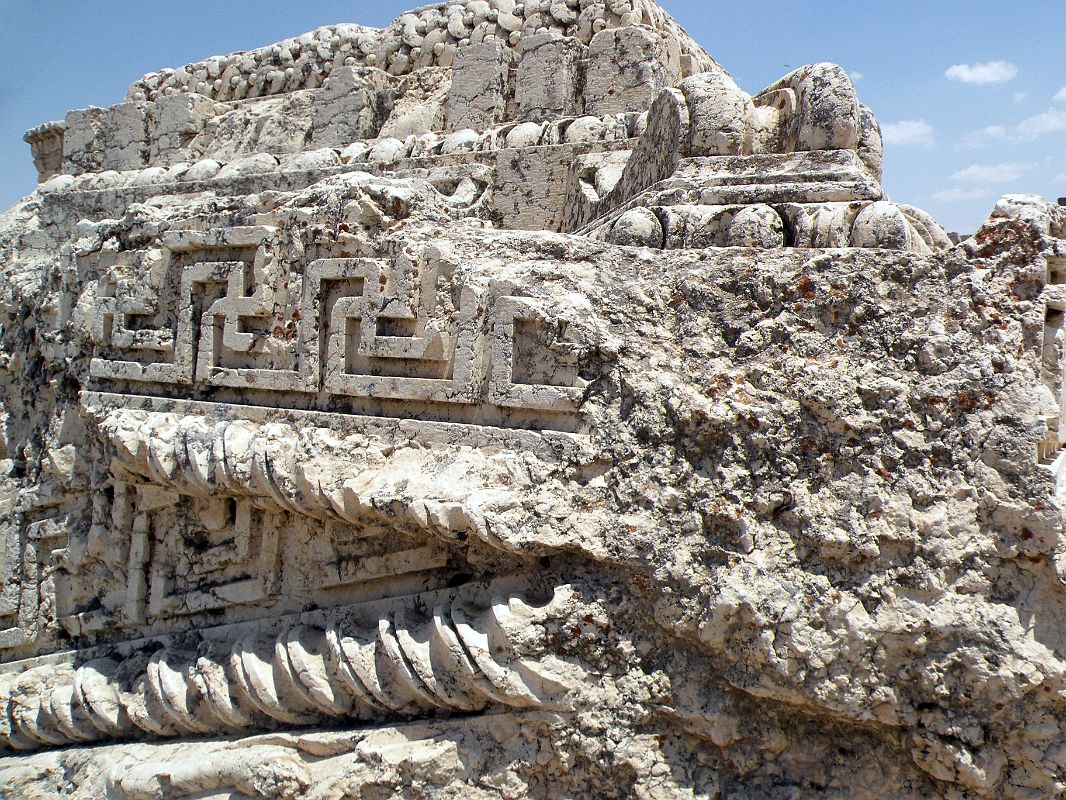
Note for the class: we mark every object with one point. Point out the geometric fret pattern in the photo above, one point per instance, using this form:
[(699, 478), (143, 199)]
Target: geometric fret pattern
[(214, 312)]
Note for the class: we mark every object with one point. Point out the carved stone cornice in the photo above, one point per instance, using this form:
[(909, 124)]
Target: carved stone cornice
[(357, 479), (459, 656)]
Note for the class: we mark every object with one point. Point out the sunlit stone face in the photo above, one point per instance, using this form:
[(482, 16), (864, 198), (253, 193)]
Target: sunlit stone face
[(505, 404)]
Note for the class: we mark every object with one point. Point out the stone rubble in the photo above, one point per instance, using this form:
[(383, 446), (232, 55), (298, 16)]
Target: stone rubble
[(505, 404)]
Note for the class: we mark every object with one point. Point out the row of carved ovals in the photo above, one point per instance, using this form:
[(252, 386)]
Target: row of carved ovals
[(454, 658), (428, 37), (866, 224)]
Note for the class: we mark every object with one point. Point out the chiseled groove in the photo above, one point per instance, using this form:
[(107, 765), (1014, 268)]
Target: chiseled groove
[(214, 681), (36, 722), (100, 698), (480, 647), (362, 652), (350, 677), (454, 660), (48, 718), (172, 691), (290, 693), (401, 669), (418, 650), (144, 708), (68, 715), (310, 669), (259, 681), (446, 629), (27, 715)]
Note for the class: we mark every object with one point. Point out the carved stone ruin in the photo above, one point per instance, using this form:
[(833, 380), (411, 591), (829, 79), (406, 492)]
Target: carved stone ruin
[(504, 404)]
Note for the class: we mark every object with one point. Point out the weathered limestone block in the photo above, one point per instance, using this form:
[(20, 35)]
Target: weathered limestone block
[(871, 149), (532, 188), (627, 68), (592, 177), (481, 86), (46, 144), (421, 103), (826, 113), (174, 121), (721, 116), (654, 158), (487, 443), (275, 125), (98, 139), (550, 77), (353, 104)]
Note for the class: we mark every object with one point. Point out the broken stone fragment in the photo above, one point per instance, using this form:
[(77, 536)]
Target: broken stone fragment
[(504, 404)]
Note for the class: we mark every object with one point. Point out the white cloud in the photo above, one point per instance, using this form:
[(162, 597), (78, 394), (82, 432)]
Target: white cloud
[(990, 173), (1060, 95), (908, 131), (855, 76), (1020, 97), (1051, 121), (985, 72), (959, 195), (981, 138)]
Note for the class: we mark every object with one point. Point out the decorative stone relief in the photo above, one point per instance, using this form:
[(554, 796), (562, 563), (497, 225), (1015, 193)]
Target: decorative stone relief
[(404, 663), (506, 404)]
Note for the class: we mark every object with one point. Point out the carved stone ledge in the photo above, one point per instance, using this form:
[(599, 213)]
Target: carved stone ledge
[(46, 144), (459, 655), (267, 462)]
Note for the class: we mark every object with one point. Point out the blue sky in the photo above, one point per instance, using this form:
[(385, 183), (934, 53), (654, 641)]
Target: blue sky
[(966, 91)]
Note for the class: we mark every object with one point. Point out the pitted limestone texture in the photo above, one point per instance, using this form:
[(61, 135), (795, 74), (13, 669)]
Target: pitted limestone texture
[(506, 404)]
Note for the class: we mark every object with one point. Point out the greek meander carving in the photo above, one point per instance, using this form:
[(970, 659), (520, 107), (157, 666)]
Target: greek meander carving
[(35, 533), (299, 372), (382, 322), (200, 517), (27, 590), (456, 656), (191, 554), (364, 328), (195, 554), (192, 346)]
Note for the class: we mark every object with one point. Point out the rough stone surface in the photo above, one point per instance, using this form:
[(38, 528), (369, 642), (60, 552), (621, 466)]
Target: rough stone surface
[(627, 69), (549, 77), (480, 86), (382, 419)]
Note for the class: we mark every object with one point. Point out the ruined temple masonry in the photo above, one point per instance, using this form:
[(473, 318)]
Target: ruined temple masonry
[(503, 405)]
